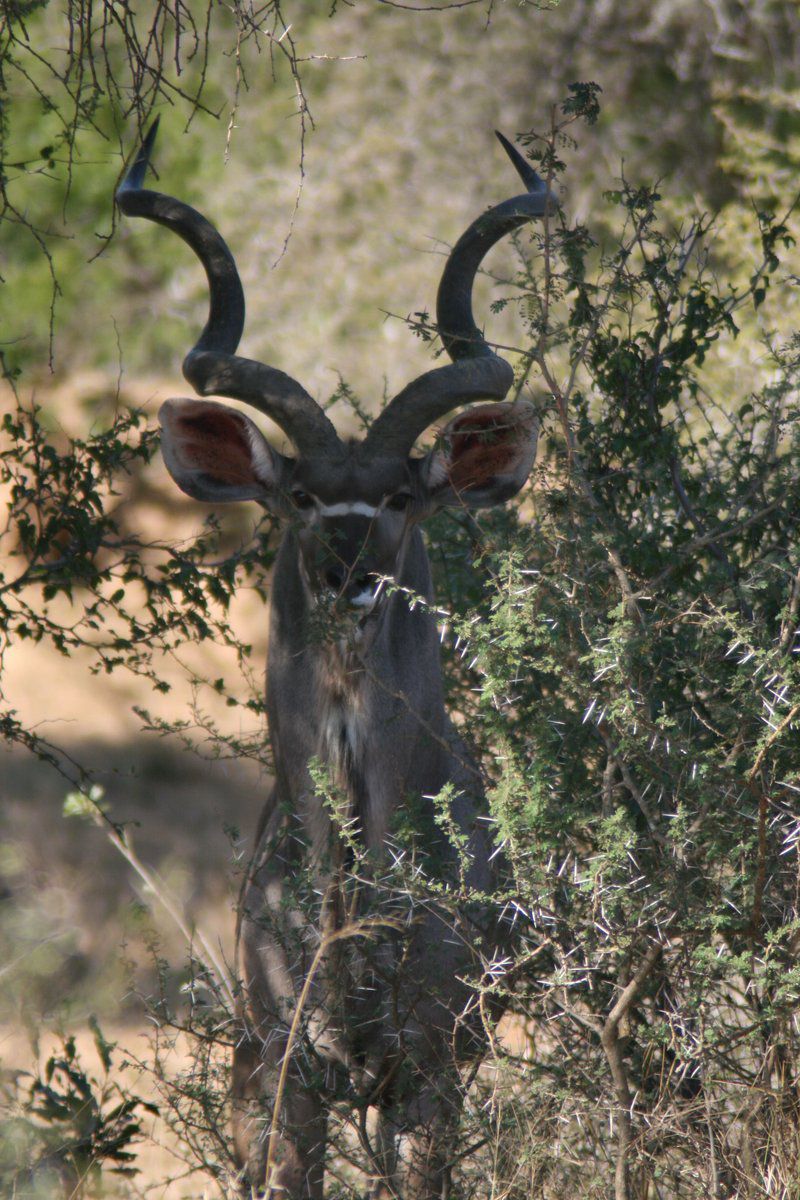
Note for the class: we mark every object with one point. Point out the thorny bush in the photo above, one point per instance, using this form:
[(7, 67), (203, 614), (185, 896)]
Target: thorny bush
[(623, 653)]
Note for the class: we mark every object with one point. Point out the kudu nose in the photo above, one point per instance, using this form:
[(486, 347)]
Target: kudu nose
[(341, 579), (361, 581)]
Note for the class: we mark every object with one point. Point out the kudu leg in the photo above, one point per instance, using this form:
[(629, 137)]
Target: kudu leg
[(427, 1165), (427, 1146), (386, 1183), (296, 1162), (414, 1163), (421, 1172)]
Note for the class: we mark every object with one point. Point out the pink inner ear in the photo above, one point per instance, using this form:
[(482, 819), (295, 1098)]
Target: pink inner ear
[(483, 443), (216, 443)]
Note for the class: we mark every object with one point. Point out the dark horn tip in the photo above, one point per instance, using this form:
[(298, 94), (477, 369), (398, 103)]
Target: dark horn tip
[(532, 180), (150, 136), (135, 177)]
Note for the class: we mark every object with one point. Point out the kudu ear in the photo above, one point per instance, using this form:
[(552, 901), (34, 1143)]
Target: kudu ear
[(215, 453), (484, 455)]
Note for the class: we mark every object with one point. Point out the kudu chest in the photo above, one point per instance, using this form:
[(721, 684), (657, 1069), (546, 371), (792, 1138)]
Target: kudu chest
[(342, 962)]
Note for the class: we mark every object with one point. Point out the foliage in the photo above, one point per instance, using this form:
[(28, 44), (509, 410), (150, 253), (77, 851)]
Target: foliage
[(260, 102), (73, 575), (623, 650), (638, 703), (64, 1127)]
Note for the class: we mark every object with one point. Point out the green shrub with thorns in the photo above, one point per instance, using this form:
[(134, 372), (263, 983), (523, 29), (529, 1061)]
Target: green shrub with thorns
[(622, 651)]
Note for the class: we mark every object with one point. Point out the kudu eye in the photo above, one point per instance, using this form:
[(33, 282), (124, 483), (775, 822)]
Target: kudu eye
[(399, 502), (340, 711), (301, 499)]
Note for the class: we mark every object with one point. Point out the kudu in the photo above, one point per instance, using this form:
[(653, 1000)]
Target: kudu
[(371, 991)]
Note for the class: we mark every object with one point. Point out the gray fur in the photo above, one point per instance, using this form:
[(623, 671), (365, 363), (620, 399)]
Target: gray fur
[(371, 976), (383, 1021)]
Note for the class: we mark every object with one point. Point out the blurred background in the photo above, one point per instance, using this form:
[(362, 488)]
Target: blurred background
[(341, 149)]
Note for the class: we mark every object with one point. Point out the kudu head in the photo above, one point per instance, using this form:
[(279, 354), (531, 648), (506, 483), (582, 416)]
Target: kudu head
[(352, 504)]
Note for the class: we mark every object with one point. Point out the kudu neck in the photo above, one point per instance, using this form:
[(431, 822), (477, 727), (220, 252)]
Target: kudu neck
[(398, 633)]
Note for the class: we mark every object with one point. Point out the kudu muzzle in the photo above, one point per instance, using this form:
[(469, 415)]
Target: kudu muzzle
[(371, 713)]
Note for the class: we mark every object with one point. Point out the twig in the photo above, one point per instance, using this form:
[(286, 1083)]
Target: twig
[(761, 860), (610, 1041), (209, 956), (789, 623), (358, 929), (631, 784)]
